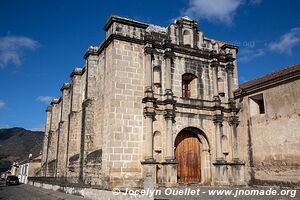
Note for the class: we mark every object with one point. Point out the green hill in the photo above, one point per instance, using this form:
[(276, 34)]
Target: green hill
[(16, 144)]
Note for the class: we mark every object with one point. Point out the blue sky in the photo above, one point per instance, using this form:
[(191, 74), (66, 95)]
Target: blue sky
[(42, 41)]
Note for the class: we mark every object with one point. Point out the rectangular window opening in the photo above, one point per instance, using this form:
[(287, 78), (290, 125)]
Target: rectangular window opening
[(257, 105)]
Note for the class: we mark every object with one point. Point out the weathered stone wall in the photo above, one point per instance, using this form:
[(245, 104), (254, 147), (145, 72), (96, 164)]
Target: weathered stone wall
[(123, 113), (46, 141), (75, 118), (270, 142), (53, 137), (63, 130)]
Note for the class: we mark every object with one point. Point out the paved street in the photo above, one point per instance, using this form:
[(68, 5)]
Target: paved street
[(28, 192)]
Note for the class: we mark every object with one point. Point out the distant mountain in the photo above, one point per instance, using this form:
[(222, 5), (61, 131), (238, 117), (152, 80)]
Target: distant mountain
[(16, 144)]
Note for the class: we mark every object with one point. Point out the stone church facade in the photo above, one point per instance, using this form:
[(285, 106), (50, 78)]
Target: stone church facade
[(150, 105)]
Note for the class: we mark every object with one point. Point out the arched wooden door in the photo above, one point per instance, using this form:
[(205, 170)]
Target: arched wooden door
[(188, 152)]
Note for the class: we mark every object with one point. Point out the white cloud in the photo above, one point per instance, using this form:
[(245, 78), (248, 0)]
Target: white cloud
[(12, 48), (287, 42), (44, 99), (2, 104), (213, 10), (248, 54)]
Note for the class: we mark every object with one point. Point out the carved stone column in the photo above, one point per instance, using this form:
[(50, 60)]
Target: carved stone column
[(229, 69), (237, 166), (221, 169), (233, 122), (169, 102), (149, 102), (214, 65), (170, 164), (149, 114), (218, 134), (148, 66)]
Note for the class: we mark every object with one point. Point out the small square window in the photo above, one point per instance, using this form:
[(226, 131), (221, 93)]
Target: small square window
[(257, 105)]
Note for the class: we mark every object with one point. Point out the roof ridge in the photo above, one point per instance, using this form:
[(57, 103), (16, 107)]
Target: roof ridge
[(283, 71)]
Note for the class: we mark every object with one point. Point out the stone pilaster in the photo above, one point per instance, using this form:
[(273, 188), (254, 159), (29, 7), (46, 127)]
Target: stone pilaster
[(149, 113), (46, 141), (88, 137), (169, 105), (236, 165), (233, 122), (63, 130), (221, 169), (169, 165), (218, 119), (74, 130), (214, 65), (230, 71), (53, 138), (149, 102)]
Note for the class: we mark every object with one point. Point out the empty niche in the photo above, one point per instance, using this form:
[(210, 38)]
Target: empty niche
[(187, 38)]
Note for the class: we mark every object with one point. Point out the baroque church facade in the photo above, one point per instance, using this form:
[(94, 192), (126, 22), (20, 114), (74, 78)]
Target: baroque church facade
[(151, 104)]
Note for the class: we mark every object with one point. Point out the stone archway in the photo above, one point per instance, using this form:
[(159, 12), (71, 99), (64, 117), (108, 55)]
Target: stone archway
[(192, 155)]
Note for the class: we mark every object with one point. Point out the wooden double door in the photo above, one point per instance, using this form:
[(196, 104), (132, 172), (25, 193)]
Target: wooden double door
[(188, 156)]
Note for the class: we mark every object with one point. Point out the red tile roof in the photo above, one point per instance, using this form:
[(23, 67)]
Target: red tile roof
[(270, 80), (278, 74)]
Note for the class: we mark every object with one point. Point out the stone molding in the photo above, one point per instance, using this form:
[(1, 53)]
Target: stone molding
[(65, 86), (76, 71), (92, 50), (201, 53), (123, 20), (218, 118), (49, 109), (55, 101)]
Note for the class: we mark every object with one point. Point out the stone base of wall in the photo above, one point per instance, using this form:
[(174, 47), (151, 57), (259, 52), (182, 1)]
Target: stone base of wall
[(90, 193)]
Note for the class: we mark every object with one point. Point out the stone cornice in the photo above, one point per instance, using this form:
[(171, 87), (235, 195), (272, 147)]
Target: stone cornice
[(170, 113), (149, 50), (218, 118), (229, 67), (49, 109), (76, 71), (230, 46), (233, 120), (83, 70), (200, 105), (169, 54), (229, 57), (215, 63), (149, 99), (92, 50), (65, 86), (55, 101), (201, 53), (123, 20)]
